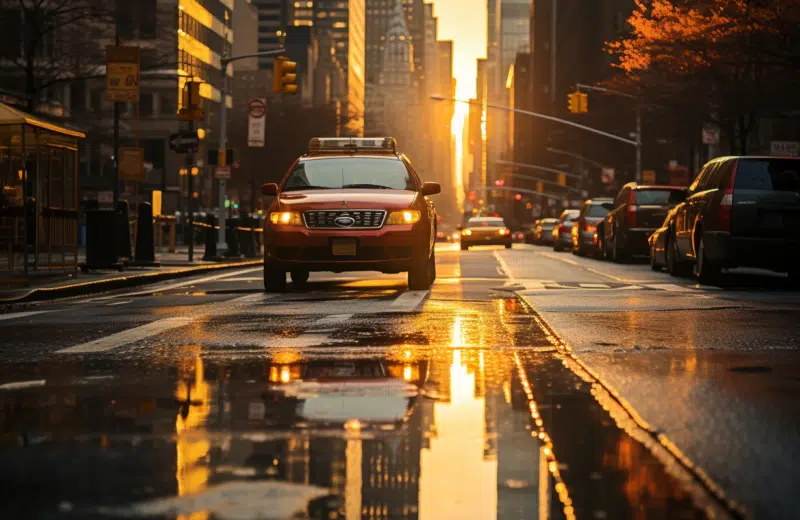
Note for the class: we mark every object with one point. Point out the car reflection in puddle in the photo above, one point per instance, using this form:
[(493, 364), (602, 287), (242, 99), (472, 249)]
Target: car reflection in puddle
[(410, 436)]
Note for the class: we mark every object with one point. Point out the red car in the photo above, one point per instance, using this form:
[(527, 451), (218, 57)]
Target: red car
[(350, 204)]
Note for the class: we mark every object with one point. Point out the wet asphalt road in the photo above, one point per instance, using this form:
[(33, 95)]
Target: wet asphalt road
[(525, 384)]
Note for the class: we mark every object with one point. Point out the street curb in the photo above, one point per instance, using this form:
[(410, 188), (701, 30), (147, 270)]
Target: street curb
[(121, 282), (714, 491)]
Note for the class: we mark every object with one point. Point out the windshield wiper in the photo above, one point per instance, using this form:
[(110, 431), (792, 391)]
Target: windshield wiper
[(301, 188), (368, 186)]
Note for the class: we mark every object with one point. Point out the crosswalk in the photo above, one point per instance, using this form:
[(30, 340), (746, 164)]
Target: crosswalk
[(548, 285)]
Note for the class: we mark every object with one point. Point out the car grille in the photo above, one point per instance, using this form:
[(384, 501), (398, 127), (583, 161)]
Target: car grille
[(363, 218)]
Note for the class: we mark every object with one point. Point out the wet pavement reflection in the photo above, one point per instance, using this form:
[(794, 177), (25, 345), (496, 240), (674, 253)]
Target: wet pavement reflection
[(467, 410)]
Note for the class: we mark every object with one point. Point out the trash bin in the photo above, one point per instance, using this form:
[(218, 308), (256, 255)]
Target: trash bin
[(101, 240)]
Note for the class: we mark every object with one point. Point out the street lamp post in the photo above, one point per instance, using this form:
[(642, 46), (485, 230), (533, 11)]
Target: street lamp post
[(223, 132)]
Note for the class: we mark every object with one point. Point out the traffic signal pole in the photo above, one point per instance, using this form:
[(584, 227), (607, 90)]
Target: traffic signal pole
[(223, 134)]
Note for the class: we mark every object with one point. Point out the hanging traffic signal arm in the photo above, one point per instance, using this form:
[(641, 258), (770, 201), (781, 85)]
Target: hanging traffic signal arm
[(284, 76)]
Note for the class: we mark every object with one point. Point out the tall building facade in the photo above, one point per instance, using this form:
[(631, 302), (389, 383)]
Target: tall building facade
[(272, 17), (341, 28)]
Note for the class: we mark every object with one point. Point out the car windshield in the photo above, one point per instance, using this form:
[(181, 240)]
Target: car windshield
[(350, 173), (486, 222), (768, 175), (659, 197), (596, 211)]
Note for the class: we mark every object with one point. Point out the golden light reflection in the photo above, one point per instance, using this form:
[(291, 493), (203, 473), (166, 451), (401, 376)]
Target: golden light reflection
[(191, 473), (459, 442)]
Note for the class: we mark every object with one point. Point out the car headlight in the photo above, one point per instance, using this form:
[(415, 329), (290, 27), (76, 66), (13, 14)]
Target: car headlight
[(467, 232), (407, 216), (286, 218)]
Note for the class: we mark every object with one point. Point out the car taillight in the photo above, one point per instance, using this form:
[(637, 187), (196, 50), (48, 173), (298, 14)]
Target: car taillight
[(726, 210), (503, 231), (632, 209), (589, 228), (563, 228)]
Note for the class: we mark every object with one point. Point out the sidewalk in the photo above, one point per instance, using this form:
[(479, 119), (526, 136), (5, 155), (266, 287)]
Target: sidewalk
[(173, 265)]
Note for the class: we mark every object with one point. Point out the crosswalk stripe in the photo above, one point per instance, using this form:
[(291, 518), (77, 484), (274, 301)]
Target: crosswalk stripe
[(327, 321), (127, 336), (594, 286), (17, 385), (13, 315), (670, 287), (408, 301), (254, 298)]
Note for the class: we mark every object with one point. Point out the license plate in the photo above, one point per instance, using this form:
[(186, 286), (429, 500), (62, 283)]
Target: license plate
[(344, 248)]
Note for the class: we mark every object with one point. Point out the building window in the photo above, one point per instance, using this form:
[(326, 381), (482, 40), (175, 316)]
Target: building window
[(146, 104)]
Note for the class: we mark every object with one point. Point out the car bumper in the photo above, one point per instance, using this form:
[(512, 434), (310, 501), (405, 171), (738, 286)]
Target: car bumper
[(776, 254), (587, 239), (486, 241), (637, 241), (387, 249)]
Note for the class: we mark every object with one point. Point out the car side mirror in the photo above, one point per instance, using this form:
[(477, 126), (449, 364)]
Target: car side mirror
[(431, 188), (269, 189), (607, 205)]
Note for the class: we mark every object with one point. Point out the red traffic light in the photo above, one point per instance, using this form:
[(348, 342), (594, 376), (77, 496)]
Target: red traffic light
[(518, 196), (499, 182)]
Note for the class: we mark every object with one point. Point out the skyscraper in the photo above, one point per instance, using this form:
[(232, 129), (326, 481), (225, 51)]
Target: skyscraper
[(340, 27), (271, 23)]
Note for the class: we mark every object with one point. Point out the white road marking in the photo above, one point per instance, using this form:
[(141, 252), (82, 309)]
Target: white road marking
[(119, 303), (22, 384), (594, 286), (327, 321), (177, 285), (504, 266), (242, 279), (13, 315), (127, 336), (408, 301), (670, 287), (253, 298)]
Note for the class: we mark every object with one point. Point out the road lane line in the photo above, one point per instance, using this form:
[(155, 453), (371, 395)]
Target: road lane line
[(17, 385), (159, 289), (127, 336), (594, 286), (13, 315), (504, 266), (327, 321), (408, 301), (119, 303), (243, 279)]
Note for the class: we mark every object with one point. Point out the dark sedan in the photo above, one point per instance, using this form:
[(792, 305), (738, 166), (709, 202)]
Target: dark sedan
[(659, 239)]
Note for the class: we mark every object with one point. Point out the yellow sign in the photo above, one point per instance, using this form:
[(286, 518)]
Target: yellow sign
[(131, 164), (649, 177), (122, 74), (156, 202)]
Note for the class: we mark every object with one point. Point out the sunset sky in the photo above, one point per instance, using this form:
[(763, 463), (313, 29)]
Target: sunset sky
[(464, 22)]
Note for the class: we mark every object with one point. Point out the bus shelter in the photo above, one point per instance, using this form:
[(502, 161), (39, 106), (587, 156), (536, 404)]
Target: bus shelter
[(39, 197)]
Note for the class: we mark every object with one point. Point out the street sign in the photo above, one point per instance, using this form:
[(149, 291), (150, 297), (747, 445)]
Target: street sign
[(131, 164), (105, 197), (122, 74), (257, 109), (710, 134), (184, 142), (607, 175), (222, 172), (785, 148)]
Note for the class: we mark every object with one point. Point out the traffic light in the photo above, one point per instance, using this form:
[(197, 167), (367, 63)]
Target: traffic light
[(540, 187), (573, 102), (284, 77), (499, 182), (583, 102), (518, 196), (562, 179)]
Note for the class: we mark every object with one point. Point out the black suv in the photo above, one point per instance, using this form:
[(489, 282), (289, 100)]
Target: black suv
[(635, 214), (740, 212)]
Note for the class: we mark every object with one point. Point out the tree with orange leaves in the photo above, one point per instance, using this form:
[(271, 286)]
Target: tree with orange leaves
[(730, 62)]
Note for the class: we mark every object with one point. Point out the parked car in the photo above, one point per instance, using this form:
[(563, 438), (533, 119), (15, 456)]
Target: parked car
[(542, 231), (740, 212), (634, 215), (658, 241), (584, 233), (562, 232), (485, 231)]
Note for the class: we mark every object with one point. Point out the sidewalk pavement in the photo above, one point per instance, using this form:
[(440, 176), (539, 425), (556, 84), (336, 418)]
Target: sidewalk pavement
[(47, 286)]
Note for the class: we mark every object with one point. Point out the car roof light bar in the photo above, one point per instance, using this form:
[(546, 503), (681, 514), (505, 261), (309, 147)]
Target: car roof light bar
[(352, 144)]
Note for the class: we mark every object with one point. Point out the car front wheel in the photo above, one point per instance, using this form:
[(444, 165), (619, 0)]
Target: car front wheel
[(274, 279), (300, 276), (419, 273)]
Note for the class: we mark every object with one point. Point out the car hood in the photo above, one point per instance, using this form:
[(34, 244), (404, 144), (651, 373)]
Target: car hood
[(355, 199)]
